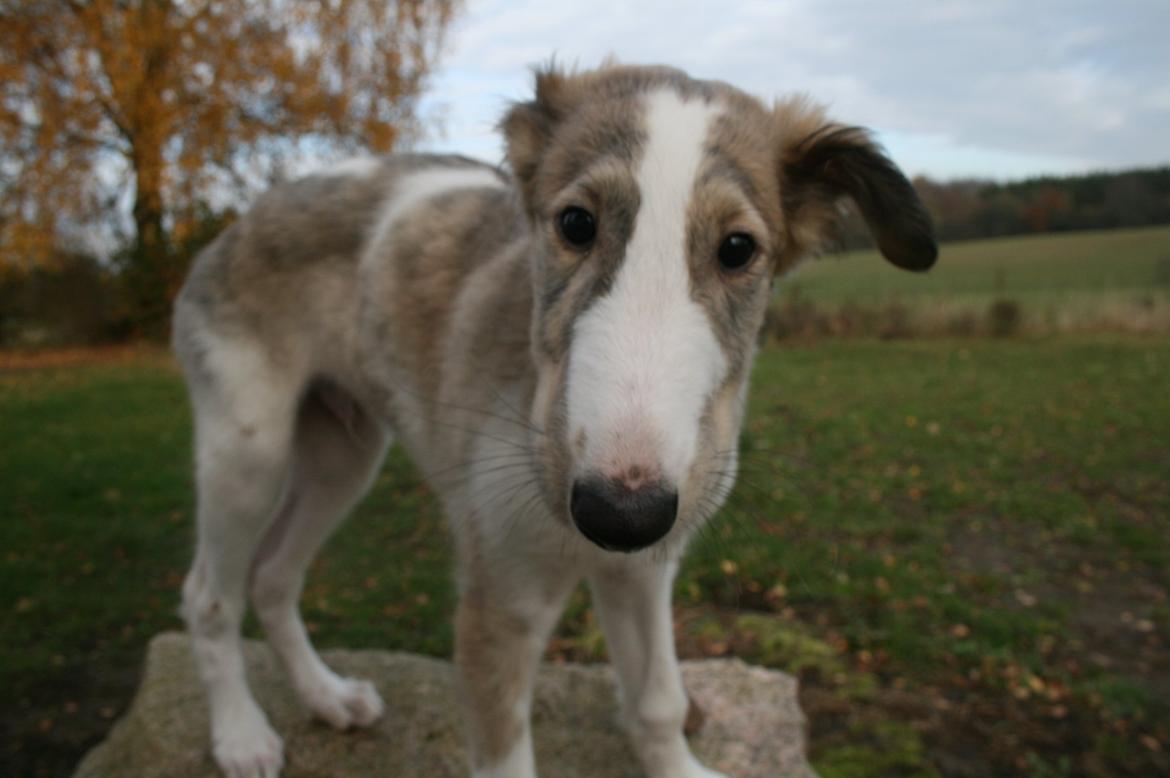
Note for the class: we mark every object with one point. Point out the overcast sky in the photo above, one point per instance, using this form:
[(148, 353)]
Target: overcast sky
[(988, 88)]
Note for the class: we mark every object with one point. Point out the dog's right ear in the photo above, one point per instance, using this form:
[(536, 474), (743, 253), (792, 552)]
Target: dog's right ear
[(529, 127), (822, 163)]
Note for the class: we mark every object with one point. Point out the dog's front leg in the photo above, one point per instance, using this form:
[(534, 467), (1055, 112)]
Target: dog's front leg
[(633, 604), (501, 629)]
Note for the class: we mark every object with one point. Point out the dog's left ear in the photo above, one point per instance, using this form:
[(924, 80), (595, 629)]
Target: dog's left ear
[(822, 162), (528, 127)]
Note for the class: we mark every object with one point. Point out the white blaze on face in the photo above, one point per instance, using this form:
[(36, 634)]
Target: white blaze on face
[(644, 358)]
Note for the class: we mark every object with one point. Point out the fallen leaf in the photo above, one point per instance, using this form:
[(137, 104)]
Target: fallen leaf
[(1025, 599)]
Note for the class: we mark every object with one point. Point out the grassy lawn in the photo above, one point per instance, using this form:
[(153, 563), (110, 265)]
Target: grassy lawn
[(1074, 282), (978, 531), (1031, 268), (960, 546)]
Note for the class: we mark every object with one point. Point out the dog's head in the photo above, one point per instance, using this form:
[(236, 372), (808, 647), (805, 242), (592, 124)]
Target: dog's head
[(662, 208)]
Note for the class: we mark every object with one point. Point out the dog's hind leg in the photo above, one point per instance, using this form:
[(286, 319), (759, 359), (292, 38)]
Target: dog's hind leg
[(338, 449), (633, 606), (245, 408)]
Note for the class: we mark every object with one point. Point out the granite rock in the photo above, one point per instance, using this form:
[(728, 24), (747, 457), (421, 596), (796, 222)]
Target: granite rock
[(753, 726)]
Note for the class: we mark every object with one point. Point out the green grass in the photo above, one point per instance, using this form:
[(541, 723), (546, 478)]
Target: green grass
[(1031, 267), (1085, 281), (960, 546), (96, 533)]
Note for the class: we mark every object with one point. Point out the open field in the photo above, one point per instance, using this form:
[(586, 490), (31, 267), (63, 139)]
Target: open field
[(960, 546), (1071, 282)]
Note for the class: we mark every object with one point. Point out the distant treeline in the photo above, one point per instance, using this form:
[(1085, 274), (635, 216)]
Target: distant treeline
[(972, 209)]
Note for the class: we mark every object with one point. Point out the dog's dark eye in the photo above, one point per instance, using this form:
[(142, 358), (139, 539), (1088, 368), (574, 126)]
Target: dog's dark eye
[(736, 251), (577, 226)]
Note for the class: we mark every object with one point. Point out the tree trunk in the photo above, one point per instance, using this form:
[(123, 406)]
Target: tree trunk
[(151, 262), (149, 270)]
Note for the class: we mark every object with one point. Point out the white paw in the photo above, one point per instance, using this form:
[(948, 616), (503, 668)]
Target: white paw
[(685, 767), (698, 771), (248, 748), (345, 703), (692, 769)]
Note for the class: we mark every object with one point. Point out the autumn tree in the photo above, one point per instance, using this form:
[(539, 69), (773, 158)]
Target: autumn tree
[(158, 106)]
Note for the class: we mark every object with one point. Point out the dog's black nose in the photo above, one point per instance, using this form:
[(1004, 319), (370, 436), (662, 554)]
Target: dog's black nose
[(621, 519)]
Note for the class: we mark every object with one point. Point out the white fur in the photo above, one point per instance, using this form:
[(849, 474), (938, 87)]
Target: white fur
[(243, 439), (644, 358), (244, 745), (519, 762), (416, 189), (244, 453), (357, 167), (633, 605)]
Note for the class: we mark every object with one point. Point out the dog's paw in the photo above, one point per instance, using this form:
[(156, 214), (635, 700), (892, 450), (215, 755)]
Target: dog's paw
[(248, 749), (695, 770), (698, 771), (691, 768), (345, 703)]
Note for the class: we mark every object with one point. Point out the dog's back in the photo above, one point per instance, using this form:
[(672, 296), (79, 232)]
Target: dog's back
[(290, 266), (353, 274)]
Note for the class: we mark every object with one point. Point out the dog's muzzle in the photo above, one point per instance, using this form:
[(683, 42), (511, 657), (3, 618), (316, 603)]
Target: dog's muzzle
[(617, 518)]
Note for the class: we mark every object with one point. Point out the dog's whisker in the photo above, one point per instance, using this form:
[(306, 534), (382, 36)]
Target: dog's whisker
[(519, 417), (466, 470)]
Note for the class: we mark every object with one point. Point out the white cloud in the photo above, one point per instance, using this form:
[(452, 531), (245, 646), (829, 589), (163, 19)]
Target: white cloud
[(962, 87)]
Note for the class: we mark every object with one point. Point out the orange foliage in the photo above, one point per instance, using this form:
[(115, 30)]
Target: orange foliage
[(178, 92)]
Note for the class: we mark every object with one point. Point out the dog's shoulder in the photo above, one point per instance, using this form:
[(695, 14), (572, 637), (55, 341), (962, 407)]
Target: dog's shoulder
[(439, 210), (446, 246)]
